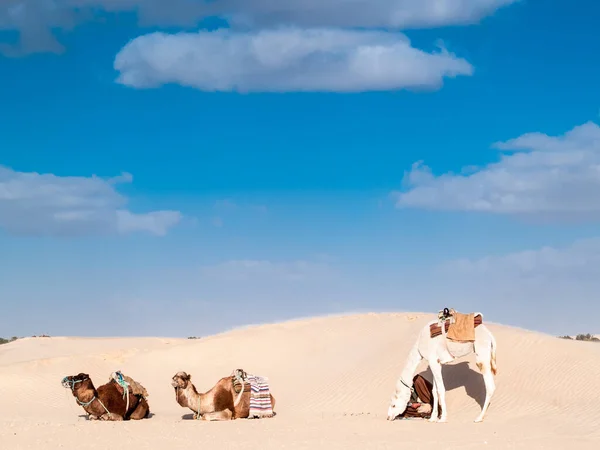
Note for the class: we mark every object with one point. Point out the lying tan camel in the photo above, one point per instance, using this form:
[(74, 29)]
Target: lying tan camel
[(222, 402), (108, 402)]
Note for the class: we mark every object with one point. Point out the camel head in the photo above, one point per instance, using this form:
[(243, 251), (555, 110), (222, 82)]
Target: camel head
[(72, 381), (181, 380), (399, 400)]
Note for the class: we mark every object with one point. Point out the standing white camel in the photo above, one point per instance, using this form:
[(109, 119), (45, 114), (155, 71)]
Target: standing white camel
[(442, 350)]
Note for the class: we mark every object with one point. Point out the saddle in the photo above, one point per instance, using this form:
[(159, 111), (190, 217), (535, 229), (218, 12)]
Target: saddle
[(124, 382), (239, 377), (457, 326)]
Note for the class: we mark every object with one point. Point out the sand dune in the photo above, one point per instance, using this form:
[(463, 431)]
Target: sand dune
[(332, 378)]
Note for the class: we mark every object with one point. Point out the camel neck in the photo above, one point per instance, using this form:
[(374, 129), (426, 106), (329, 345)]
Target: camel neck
[(85, 394), (191, 398), (410, 367)]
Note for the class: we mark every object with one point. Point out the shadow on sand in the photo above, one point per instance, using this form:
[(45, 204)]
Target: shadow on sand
[(458, 375), (87, 417), (191, 416)]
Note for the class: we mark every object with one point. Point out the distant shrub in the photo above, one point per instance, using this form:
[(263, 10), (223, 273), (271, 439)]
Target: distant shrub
[(194, 337), (6, 341), (587, 337), (582, 337)]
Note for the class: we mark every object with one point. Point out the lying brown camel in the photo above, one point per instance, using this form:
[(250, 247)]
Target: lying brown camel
[(219, 403), (108, 402)]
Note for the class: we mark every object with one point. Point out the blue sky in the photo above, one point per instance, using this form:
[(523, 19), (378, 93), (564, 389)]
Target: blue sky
[(182, 169)]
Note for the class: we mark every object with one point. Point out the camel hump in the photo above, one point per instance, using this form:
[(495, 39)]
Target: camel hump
[(124, 380)]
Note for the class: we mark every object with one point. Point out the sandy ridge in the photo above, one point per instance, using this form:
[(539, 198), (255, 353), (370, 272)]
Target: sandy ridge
[(332, 377)]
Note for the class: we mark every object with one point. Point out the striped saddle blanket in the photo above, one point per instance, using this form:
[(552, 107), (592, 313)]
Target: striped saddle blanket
[(260, 395)]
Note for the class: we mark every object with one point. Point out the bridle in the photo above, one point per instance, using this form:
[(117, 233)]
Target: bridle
[(71, 384), (409, 387), (177, 395)]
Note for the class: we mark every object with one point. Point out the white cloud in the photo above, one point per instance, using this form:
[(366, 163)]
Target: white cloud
[(394, 14), (580, 259), (537, 174), (263, 270), (47, 204), (34, 19), (284, 60), (551, 288)]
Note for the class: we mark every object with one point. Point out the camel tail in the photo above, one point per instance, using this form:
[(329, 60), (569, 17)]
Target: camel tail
[(493, 363)]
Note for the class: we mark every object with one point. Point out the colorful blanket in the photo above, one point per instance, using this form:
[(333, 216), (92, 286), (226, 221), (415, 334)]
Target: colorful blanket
[(260, 398)]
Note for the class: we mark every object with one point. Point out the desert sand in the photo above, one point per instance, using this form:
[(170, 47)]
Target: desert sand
[(332, 378)]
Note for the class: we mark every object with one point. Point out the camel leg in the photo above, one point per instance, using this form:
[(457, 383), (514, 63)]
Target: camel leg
[(141, 411), (436, 370), (484, 363), (434, 410), (218, 415), (112, 417), (490, 387)]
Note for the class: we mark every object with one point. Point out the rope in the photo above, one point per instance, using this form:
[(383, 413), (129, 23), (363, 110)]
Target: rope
[(199, 398), (90, 402), (71, 384), (118, 377), (407, 385), (86, 404), (107, 411), (239, 375)]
